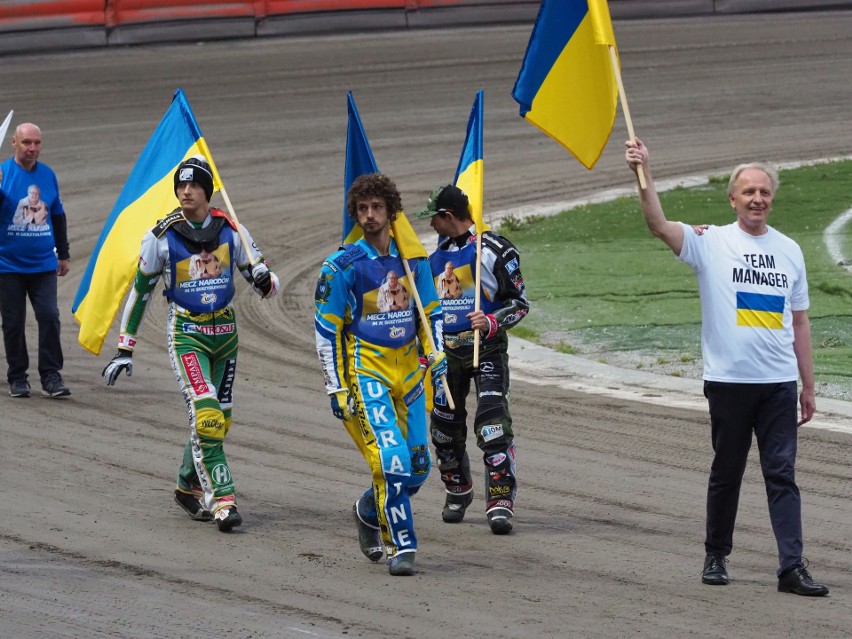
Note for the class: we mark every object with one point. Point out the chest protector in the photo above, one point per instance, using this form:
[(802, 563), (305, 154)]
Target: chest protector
[(202, 265), (464, 268), (375, 324)]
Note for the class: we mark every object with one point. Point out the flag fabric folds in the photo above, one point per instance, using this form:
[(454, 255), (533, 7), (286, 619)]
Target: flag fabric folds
[(470, 174), (566, 86), (360, 161), (147, 196)]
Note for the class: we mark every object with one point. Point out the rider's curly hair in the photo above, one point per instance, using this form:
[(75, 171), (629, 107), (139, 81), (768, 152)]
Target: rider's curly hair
[(374, 185)]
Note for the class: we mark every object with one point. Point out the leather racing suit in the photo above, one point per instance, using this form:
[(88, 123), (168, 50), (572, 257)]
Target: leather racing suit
[(374, 355), (503, 299), (202, 334)]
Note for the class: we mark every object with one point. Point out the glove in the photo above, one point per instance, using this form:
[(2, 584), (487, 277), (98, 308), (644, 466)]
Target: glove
[(342, 404), (438, 362), (262, 279), (121, 361)]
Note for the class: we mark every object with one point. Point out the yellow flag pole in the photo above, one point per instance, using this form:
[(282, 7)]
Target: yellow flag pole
[(425, 322), (623, 97)]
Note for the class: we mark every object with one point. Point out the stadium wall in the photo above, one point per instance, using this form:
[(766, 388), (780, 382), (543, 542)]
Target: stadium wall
[(74, 24)]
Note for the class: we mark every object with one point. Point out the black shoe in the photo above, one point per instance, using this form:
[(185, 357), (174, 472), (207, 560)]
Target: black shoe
[(500, 520), (715, 573), (799, 582), (402, 564), (192, 506), (454, 507), (369, 537), (19, 388), (227, 518), (54, 387)]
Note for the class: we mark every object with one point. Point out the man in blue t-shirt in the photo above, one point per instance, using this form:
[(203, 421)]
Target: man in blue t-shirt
[(33, 252)]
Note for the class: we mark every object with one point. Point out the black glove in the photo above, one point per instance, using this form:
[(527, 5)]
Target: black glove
[(262, 278), (121, 361)]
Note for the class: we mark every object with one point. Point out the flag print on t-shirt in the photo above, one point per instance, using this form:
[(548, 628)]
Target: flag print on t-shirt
[(756, 309)]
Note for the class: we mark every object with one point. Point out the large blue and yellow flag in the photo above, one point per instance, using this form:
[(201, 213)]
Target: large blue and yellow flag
[(566, 86), (360, 161), (470, 174), (147, 196)]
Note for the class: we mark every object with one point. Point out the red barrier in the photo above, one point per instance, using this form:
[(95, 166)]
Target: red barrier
[(285, 7), (120, 12), (24, 14)]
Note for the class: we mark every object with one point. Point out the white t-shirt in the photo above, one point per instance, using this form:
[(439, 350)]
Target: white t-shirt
[(749, 287)]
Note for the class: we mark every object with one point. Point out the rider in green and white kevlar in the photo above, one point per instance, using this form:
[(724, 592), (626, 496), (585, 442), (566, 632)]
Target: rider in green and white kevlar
[(197, 251)]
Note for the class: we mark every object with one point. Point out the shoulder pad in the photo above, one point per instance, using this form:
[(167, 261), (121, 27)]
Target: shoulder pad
[(502, 247), (349, 253), (166, 222), (221, 213)]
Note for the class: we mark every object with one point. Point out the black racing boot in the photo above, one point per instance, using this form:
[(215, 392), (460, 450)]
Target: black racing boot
[(455, 507), (369, 536)]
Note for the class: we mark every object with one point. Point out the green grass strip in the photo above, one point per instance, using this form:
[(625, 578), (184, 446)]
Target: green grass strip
[(599, 282)]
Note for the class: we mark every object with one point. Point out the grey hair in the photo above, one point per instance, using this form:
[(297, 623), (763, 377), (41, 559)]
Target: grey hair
[(770, 172)]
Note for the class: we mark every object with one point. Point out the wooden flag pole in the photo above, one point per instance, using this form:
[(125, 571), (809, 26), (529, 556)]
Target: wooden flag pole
[(614, 60), (233, 215), (476, 300), (425, 322)]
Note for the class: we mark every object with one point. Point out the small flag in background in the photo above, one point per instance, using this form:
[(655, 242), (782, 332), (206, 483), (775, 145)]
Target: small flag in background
[(566, 86), (470, 174), (360, 161), (147, 196)]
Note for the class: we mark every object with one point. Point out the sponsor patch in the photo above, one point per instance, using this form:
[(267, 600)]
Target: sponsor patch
[(415, 392), (194, 374), (441, 437), (492, 432), (512, 265), (496, 460), (218, 329)]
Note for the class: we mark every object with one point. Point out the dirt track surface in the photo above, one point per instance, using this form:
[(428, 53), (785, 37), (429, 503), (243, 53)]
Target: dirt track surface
[(610, 518)]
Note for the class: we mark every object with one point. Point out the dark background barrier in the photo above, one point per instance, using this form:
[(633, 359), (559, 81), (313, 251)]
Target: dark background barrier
[(27, 25)]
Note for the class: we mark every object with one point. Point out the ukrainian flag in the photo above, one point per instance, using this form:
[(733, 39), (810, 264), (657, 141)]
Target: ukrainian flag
[(762, 311), (470, 174), (147, 196), (360, 161), (566, 86)]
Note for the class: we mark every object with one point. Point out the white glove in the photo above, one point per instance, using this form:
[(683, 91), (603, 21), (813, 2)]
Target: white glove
[(122, 361)]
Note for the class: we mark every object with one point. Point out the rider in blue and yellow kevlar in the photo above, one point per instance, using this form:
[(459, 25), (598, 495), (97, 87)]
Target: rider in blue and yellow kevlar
[(199, 251), (369, 356)]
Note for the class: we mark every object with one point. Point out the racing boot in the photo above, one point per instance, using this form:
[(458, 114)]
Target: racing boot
[(455, 506), (454, 465), (500, 518), (402, 564), (501, 489), (227, 518), (191, 503), (369, 535)]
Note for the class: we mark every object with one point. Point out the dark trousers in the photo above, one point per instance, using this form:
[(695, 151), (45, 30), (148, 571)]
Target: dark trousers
[(41, 289), (492, 422), (770, 412)]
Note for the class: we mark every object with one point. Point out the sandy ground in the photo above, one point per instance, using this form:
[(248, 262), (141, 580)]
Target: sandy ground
[(608, 541)]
